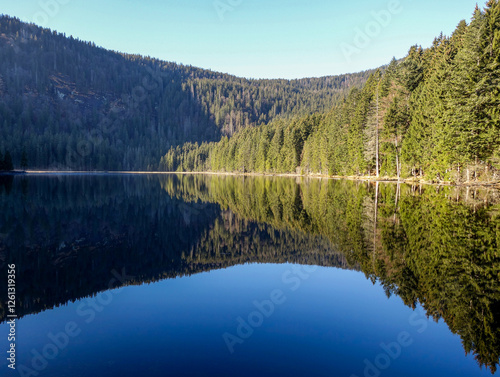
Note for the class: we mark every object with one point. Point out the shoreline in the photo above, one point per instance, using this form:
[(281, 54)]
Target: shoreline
[(492, 184), (13, 172)]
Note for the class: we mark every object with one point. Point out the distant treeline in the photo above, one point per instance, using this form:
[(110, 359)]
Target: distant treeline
[(73, 105), (435, 114)]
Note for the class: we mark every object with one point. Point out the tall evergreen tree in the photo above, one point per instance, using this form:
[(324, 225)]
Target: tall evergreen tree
[(471, 131), (7, 164), (24, 160)]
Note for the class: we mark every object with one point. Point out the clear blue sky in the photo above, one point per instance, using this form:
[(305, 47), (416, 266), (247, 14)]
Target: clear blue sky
[(253, 38)]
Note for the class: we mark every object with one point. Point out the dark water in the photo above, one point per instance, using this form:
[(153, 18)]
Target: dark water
[(222, 276)]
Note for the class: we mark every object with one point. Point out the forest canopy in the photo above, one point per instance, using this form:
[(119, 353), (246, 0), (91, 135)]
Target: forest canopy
[(434, 114), (74, 106)]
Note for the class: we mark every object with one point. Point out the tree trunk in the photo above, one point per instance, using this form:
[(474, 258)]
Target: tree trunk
[(375, 226), (396, 202), (376, 140), (475, 169), (398, 169)]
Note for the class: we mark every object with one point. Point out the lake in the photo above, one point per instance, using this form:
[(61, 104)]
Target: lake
[(195, 275)]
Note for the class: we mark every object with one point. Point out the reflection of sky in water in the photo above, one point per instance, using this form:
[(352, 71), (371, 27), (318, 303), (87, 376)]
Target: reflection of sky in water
[(328, 326), (67, 234)]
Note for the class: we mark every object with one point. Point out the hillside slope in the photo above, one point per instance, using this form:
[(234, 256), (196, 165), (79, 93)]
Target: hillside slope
[(73, 105)]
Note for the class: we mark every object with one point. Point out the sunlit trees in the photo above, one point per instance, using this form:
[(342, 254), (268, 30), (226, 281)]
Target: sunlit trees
[(433, 115)]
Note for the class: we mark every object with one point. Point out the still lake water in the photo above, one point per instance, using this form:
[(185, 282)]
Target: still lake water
[(147, 275)]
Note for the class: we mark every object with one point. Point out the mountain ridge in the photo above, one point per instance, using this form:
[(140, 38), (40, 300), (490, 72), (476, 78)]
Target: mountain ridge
[(73, 105)]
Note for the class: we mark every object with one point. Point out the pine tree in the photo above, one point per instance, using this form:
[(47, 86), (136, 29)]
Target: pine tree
[(8, 165), (489, 86), (413, 71), (262, 151), (24, 160), (470, 132), (274, 155)]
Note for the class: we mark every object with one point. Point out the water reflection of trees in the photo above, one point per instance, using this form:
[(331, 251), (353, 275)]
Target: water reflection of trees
[(437, 246), (428, 245), (67, 235)]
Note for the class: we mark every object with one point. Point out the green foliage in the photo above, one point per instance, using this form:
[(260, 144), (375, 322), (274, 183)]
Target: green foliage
[(72, 105), (435, 114), (455, 108), (435, 247)]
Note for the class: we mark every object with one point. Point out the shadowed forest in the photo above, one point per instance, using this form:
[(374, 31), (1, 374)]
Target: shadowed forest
[(433, 246), (70, 105)]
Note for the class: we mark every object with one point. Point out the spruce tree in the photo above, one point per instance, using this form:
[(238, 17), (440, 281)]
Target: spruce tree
[(8, 165), (469, 128), (489, 86), (24, 160)]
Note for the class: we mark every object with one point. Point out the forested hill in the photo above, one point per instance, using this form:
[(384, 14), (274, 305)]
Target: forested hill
[(434, 115), (72, 105)]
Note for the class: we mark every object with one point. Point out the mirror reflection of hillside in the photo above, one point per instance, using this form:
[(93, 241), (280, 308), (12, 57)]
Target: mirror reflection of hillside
[(67, 236), (428, 245), (435, 246)]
